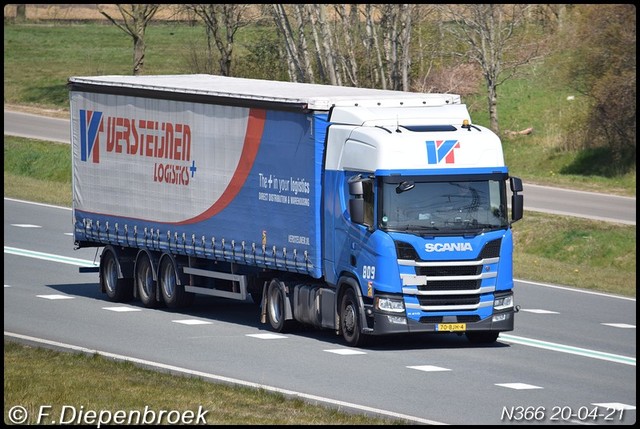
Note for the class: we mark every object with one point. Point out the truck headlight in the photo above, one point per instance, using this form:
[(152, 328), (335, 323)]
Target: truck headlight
[(503, 302), (391, 305)]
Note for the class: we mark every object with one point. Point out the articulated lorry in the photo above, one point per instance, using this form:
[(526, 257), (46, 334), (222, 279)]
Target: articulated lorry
[(363, 211)]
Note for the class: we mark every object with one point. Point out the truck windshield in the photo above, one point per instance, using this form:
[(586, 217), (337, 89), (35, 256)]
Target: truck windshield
[(442, 207)]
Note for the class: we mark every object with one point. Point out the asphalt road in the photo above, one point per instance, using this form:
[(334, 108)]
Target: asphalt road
[(608, 208)]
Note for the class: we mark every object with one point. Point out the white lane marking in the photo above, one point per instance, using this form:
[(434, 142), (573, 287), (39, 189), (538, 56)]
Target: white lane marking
[(615, 406), (518, 386), (25, 225), (37, 204), (49, 257), (620, 325), (345, 352), (556, 347), (192, 322), (429, 368), (266, 336), (53, 297), (538, 311), (571, 289), (121, 309)]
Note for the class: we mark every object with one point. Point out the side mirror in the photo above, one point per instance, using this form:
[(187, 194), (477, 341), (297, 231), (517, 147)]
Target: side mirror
[(516, 184), (517, 200)]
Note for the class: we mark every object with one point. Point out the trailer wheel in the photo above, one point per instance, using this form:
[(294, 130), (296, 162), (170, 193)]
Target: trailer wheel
[(276, 307), (117, 290), (173, 294), (144, 282), (350, 320), (482, 337)]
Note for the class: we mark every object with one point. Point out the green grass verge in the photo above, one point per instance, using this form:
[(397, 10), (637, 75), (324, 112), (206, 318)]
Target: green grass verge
[(38, 377)]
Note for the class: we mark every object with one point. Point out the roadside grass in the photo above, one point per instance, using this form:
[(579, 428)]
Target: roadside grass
[(582, 253), (74, 384), (547, 248)]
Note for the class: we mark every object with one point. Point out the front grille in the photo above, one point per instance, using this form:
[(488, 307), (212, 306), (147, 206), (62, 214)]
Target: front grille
[(459, 319), (444, 270), (444, 285), (447, 282), (449, 300)]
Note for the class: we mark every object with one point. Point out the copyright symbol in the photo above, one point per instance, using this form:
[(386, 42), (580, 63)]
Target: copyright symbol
[(18, 415)]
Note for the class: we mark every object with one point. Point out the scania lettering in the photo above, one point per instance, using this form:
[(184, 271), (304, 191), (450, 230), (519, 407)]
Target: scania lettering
[(366, 212)]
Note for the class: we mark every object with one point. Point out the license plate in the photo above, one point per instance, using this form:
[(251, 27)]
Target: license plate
[(451, 327)]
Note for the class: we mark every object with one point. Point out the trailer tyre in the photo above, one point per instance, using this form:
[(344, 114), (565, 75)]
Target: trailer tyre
[(144, 282), (173, 293), (276, 301), (350, 320), (117, 289)]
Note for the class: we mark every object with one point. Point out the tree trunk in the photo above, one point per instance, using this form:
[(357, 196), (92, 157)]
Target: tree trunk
[(21, 13), (138, 55)]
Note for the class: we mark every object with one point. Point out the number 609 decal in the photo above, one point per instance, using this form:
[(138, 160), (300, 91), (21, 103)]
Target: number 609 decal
[(368, 272)]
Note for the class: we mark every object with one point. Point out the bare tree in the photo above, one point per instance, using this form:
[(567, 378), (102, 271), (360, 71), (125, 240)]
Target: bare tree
[(295, 63), (373, 49), (222, 21), (355, 44), (323, 40), (404, 40), (135, 18), (389, 38), (348, 24), (496, 39)]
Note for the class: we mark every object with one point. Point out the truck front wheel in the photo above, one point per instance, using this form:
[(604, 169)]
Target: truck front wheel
[(117, 290), (144, 282), (276, 302), (350, 325)]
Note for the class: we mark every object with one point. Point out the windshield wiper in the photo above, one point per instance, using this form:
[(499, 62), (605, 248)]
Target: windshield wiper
[(421, 227)]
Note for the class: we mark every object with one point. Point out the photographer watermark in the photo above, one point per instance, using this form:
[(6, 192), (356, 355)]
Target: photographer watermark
[(74, 415)]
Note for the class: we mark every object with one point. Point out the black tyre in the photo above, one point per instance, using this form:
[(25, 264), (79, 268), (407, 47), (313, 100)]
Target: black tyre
[(276, 307), (173, 293), (350, 325), (482, 337), (117, 289), (145, 284)]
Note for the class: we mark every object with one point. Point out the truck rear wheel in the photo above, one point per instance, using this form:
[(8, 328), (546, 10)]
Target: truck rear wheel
[(173, 293), (117, 289), (276, 302), (350, 325), (144, 281)]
